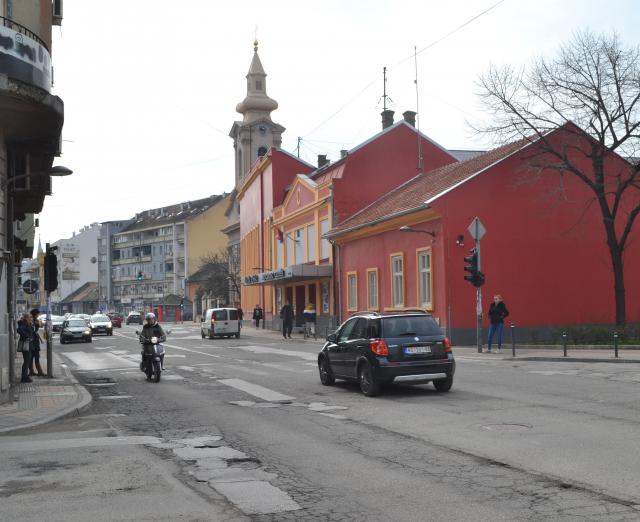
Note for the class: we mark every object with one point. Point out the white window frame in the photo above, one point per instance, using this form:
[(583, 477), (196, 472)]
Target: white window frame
[(397, 280), (373, 294), (352, 291), (425, 278)]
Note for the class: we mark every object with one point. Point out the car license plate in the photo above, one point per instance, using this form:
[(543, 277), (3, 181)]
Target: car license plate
[(417, 349)]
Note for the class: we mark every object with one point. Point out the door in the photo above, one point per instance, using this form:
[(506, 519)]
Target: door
[(221, 319), (355, 345), (337, 349), (299, 305)]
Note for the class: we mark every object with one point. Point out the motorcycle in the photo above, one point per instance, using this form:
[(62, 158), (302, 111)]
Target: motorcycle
[(152, 353)]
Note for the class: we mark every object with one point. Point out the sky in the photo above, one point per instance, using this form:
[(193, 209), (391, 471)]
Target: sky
[(150, 86)]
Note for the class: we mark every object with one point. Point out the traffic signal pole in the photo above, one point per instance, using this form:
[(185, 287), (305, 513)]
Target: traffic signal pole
[(48, 330), (478, 305)]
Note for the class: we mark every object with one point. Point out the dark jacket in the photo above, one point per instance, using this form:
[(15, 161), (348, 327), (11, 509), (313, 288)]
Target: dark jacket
[(35, 338), (149, 331), (25, 331), (257, 313), (497, 313), (240, 314), (286, 313)]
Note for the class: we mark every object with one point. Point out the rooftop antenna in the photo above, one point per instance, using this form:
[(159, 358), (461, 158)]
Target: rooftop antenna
[(415, 60), (384, 90)]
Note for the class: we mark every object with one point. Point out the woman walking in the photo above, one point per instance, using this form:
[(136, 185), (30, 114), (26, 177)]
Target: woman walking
[(25, 331)]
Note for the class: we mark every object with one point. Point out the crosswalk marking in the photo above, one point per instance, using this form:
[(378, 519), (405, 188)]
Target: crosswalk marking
[(98, 361), (256, 390)]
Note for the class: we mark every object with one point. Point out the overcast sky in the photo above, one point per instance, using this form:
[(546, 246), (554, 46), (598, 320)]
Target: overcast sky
[(150, 86)]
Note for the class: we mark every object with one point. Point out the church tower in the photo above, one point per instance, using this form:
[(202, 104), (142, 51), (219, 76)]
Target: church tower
[(256, 133)]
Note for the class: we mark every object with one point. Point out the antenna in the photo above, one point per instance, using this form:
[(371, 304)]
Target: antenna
[(384, 97), (299, 140), (415, 60)]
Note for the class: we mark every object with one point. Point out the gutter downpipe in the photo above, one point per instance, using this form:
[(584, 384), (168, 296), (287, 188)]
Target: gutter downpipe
[(261, 245), (336, 258)]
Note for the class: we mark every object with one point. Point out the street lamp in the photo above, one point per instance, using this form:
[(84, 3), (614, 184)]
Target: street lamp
[(8, 257), (407, 228)]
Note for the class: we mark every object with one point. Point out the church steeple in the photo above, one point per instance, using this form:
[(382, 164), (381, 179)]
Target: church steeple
[(257, 132)]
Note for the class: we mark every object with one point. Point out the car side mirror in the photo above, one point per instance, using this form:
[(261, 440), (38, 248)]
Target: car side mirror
[(332, 338)]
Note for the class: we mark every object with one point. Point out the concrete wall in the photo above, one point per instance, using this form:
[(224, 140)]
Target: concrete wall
[(205, 236), (4, 309)]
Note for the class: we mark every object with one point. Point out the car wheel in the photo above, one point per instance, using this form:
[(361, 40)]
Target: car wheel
[(326, 376), (368, 383), (62, 341), (443, 385)]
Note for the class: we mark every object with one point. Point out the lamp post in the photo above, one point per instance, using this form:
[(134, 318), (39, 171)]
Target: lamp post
[(407, 228), (8, 256)]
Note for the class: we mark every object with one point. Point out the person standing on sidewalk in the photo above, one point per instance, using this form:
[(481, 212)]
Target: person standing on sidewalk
[(497, 313), (25, 331), (286, 314), (35, 345), (310, 319), (240, 315), (257, 315)]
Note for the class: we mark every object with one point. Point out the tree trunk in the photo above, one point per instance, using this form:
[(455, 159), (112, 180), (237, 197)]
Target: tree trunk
[(618, 285)]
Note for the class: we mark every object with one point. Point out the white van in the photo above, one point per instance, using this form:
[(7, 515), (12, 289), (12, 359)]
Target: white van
[(221, 322)]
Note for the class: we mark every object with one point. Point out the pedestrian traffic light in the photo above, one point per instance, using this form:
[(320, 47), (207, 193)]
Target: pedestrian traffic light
[(475, 277), (140, 277), (50, 270), (181, 304)]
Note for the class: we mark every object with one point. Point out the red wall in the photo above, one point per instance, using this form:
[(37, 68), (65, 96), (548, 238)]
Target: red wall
[(382, 165)]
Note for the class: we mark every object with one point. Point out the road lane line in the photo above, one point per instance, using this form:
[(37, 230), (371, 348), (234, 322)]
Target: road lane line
[(256, 390)]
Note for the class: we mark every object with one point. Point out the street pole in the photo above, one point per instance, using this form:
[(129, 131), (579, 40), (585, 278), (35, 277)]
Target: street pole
[(478, 292), (47, 333)]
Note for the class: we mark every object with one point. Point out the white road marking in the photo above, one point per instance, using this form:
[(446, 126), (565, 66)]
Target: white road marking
[(256, 390), (290, 353), (81, 442), (257, 497), (99, 384), (334, 416), (107, 397), (97, 361), (170, 355)]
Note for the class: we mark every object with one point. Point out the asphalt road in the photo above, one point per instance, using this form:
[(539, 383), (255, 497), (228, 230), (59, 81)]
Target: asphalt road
[(243, 430)]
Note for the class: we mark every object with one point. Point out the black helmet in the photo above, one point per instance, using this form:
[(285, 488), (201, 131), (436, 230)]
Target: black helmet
[(150, 318)]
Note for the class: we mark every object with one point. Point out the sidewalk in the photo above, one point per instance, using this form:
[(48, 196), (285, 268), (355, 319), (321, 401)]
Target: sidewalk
[(549, 354), (44, 399)]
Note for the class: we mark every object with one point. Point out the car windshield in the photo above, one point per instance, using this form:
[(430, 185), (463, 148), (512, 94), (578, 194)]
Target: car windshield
[(409, 326), (76, 323), (99, 318)]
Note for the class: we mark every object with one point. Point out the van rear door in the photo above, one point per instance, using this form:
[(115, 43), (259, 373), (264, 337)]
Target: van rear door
[(221, 319)]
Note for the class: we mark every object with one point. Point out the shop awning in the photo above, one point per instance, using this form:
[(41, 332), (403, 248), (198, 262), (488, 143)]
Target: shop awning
[(289, 274)]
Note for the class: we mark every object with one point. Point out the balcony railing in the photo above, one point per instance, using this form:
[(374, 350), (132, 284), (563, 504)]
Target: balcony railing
[(19, 28)]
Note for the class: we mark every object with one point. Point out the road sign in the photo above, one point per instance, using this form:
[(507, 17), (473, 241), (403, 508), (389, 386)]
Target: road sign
[(30, 286), (476, 229)]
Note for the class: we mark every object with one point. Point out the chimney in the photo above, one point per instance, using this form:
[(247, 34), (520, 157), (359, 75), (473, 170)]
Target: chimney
[(343, 153), (410, 117), (322, 160), (387, 118)]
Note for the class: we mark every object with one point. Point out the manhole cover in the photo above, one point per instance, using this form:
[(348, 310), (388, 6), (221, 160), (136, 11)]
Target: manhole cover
[(506, 427)]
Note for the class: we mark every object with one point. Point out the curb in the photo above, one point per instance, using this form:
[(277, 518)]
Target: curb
[(73, 410), (572, 359)]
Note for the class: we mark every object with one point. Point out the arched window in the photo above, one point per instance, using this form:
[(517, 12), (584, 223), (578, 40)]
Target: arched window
[(262, 151)]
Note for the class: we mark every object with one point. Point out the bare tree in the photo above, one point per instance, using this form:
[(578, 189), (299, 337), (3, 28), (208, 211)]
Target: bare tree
[(594, 83), (223, 277)]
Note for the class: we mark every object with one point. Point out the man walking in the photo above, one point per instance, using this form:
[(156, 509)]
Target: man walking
[(257, 315), (497, 313), (286, 314)]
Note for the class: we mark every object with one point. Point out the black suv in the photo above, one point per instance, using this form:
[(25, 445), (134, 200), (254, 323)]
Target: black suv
[(376, 349)]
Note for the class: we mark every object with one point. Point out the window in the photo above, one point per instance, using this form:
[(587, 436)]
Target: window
[(359, 330), (425, 288), (262, 151), (325, 247), (288, 238), (279, 253), (372, 289), (311, 243), (397, 280), (345, 331), (352, 290), (298, 235), (325, 297)]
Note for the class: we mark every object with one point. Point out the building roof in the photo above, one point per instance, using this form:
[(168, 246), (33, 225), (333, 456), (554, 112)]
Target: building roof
[(419, 191), (464, 155), (87, 293), (172, 214)]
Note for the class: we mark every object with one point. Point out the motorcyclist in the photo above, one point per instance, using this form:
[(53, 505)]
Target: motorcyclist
[(151, 329)]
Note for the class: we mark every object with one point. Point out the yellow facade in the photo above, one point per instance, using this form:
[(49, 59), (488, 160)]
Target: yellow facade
[(204, 236)]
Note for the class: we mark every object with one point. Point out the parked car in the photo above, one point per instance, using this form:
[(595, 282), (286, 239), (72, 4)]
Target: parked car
[(75, 329), (220, 322), (56, 322), (100, 323), (374, 350), (116, 320), (134, 317)]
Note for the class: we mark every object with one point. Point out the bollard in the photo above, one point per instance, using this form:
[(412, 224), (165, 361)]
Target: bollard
[(615, 344), (564, 344), (513, 340)]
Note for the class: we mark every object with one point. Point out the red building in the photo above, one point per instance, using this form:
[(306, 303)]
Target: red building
[(545, 248)]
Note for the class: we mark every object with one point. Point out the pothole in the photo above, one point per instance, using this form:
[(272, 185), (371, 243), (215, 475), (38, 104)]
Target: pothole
[(507, 427)]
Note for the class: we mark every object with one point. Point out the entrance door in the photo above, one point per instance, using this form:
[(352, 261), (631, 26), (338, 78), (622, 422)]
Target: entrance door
[(312, 294), (300, 305)]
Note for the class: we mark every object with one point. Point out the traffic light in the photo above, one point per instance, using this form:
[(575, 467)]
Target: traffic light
[(181, 304), (50, 269), (140, 277), (475, 277)]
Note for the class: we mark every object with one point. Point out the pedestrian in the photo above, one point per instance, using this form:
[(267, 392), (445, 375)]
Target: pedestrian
[(497, 313), (286, 314), (35, 345), (25, 331), (310, 319), (240, 315), (257, 315)]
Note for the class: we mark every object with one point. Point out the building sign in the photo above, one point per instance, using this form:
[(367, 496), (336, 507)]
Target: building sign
[(25, 59), (266, 277), (290, 273), (70, 263)]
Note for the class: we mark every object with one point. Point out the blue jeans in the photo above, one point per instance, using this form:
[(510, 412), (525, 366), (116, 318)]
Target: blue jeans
[(495, 329)]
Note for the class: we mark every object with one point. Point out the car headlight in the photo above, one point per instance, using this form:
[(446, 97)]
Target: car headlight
[(87, 332), (109, 325)]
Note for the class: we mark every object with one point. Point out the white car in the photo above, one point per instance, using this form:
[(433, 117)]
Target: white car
[(220, 322), (100, 323)]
